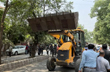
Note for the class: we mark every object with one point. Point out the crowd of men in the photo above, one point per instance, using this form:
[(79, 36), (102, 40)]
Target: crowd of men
[(52, 49), (93, 61)]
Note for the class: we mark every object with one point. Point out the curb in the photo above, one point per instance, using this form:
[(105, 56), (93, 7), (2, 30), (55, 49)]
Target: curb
[(20, 63)]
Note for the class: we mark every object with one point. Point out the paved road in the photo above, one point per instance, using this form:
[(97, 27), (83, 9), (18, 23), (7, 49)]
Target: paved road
[(40, 67), (18, 57)]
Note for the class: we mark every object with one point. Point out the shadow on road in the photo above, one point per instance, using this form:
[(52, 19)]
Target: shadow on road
[(64, 69)]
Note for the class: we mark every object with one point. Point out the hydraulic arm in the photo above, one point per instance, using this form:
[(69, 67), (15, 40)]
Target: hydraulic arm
[(57, 35)]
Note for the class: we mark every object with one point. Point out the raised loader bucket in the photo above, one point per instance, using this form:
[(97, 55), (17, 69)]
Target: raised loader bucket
[(54, 22)]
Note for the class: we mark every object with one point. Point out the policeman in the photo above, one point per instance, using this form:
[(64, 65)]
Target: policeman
[(55, 49), (52, 50)]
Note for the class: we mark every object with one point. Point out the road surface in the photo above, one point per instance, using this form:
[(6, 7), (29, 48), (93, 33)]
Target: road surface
[(18, 57), (40, 67)]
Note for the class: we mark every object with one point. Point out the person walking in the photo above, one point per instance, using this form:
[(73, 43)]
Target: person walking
[(47, 49), (39, 49), (55, 49), (26, 49), (88, 62), (51, 49), (10, 51), (42, 49), (102, 65)]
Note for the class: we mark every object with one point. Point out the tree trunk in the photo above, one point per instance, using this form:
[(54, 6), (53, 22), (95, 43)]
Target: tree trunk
[(1, 26), (34, 46), (33, 51), (1, 34)]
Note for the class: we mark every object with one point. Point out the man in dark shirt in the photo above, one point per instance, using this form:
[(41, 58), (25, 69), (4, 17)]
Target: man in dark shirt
[(107, 53), (52, 50), (55, 49)]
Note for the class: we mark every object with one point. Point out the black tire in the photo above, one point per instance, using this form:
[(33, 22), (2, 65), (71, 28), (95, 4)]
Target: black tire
[(77, 64), (50, 64), (16, 53)]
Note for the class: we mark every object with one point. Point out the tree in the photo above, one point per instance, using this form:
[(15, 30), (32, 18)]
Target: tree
[(1, 26), (8, 5), (19, 11), (101, 10)]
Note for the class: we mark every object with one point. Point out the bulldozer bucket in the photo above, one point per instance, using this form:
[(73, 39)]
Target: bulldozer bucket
[(55, 22)]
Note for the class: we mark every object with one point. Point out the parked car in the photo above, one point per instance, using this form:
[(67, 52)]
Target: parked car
[(18, 49)]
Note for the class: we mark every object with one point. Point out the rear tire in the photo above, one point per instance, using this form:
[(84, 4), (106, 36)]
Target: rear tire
[(50, 64), (16, 53), (77, 64)]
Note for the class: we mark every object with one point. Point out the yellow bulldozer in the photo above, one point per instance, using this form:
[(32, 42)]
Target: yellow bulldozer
[(62, 27), (69, 54)]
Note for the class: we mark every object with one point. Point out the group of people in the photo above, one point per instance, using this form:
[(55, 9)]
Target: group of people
[(28, 49), (40, 49), (93, 61), (53, 49)]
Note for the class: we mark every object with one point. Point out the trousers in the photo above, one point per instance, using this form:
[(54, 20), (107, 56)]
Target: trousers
[(89, 70)]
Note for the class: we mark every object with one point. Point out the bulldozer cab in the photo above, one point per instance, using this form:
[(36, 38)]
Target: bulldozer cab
[(66, 38), (79, 39)]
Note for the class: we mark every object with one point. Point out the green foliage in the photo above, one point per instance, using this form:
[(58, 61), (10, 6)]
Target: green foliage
[(48, 39), (101, 10), (88, 35), (16, 27)]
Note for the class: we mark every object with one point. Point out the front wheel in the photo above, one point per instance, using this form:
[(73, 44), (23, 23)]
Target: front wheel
[(16, 53), (50, 64)]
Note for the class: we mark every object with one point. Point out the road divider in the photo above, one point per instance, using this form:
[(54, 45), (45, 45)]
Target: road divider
[(20, 63)]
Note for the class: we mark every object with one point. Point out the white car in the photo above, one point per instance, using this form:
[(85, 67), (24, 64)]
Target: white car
[(18, 49)]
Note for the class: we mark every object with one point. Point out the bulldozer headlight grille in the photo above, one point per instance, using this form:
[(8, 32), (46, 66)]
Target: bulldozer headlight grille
[(63, 55)]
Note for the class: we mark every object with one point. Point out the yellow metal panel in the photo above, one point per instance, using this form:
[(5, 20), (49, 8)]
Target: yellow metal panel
[(57, 36), (78, 30), (66, 46)]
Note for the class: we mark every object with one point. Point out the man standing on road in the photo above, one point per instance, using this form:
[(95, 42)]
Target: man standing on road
[(55, 49), (88, 62), (47, 49), (26, 49), (10, 50), (42, 49), (39, 49), (52, 50), (107, 53), (102, 65)]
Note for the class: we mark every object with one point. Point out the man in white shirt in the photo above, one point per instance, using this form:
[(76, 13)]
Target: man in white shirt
[(102, 65)]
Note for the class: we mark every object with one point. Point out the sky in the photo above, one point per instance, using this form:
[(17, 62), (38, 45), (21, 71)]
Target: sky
[(83, 7), (1, 4)]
